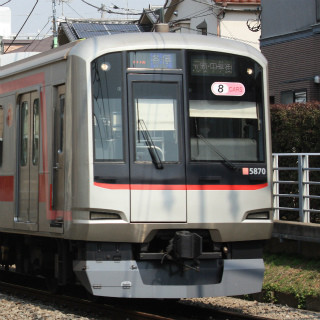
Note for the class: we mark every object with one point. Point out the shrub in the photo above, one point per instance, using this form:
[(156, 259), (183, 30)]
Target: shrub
[(295, 128)]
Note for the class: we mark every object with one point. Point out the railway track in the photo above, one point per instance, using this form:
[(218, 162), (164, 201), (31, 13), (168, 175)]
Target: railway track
[(111, 308)]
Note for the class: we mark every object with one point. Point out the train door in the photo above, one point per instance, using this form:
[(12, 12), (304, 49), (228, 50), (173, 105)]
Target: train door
[(28, 187), (157, 168), (59, 150)]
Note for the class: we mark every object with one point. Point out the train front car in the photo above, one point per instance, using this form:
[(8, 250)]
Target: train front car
[(177, 155)]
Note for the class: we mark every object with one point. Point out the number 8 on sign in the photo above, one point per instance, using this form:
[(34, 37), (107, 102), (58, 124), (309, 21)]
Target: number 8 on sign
[(228, 89)]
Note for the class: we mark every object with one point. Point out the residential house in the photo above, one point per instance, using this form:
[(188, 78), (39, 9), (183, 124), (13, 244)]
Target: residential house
[(233, 19), (290, 40)]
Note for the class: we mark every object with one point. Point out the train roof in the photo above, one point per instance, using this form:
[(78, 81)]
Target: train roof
[(91, 48), (95, 47), (36, 60)]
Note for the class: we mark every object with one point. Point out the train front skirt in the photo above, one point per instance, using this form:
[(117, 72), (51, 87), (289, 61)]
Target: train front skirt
[(145, 279)]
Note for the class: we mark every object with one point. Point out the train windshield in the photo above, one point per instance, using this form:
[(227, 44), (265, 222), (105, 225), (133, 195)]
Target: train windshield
[(225, 108), (156, 121)]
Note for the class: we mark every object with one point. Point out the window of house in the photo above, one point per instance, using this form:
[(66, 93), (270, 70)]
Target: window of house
[(318, 10), (1, 132), (286, 97), (300, 96), (293, 96), (272, 100)]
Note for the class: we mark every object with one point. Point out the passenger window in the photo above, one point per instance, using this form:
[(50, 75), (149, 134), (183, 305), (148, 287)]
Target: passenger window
[(61, 118), (24, 133), (107, 108), (1, 133), (36, 132)]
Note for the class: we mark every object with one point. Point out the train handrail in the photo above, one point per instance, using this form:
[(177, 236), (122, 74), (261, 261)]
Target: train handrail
[(302, 198)]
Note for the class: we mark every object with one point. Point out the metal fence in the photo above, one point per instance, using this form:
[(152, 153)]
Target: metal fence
[(296, 187)]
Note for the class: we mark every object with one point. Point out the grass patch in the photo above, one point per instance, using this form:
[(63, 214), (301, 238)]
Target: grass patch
[(293, 275)]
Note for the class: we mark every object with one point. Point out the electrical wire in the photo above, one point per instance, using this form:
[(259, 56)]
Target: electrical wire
[(5, 3), (22, 26), (110, 11), (215, 34), (125, 9), (173, 5), (199, 14), (89, 4), (36, 37), (74, 10), (121, 13)]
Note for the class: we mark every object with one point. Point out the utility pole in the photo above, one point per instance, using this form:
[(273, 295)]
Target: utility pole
[(54, 27), (1, 45), (103, 10)]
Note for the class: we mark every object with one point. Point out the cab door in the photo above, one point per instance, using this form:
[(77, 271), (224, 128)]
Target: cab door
[(157, 166), (28, 162)]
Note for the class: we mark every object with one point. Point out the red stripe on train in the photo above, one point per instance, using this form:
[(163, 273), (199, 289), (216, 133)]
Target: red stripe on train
[(6, 188), (178, 187)]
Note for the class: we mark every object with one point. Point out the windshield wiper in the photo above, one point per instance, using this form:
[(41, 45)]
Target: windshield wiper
[(225, 161), (150, 144)]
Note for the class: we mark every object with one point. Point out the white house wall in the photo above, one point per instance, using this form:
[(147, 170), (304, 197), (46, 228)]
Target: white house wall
[(197, 12), (234, 26)]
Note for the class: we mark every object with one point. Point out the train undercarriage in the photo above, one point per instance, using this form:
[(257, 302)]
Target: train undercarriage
[(174, 264)]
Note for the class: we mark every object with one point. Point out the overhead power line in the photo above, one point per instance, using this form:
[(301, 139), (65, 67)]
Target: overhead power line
[(225, 37), (22, 26), (5, 3), (25, 49), (127, 12), (74, 11)]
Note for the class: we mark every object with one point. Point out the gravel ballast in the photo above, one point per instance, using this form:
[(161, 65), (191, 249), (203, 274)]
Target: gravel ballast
[(12, 307)]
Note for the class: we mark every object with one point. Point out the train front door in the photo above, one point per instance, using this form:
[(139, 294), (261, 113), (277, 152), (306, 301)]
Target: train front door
[(28, 161), (157, 166)]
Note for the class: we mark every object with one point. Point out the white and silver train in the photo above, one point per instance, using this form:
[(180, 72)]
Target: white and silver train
[(137, 165)]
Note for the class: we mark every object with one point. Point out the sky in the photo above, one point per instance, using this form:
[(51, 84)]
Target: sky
[(40, 21)]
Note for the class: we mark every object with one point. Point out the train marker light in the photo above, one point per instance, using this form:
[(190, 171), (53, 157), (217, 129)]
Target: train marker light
[(105, 66), (249, 71)]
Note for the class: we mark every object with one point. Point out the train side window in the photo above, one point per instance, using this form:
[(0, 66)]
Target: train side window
[(107, 108), (61, 117), (36, 132), (24, 116), (1, 133)]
